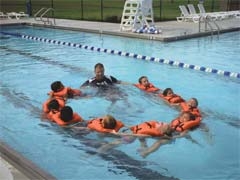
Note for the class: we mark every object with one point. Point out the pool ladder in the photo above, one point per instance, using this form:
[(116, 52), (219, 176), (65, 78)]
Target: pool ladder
[(208, 22), (43, 15)]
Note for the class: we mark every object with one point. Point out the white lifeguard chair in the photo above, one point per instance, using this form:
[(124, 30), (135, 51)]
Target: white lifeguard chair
[(136, 14)]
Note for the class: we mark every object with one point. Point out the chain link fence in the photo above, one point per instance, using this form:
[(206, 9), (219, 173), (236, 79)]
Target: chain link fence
[(110, 10)]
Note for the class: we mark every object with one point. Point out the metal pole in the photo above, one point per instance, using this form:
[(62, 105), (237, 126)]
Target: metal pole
[(228, 5), (29, 7), (160, 4), (212, 9), (52, 8), (82, 9), (101, 10)]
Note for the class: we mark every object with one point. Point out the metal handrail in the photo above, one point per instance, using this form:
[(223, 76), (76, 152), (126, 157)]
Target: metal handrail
[(207, 20), (45, 12), (38, 12), (218, 28)]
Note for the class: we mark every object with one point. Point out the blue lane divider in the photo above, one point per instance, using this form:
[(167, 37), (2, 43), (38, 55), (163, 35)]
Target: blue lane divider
[(127, 54)]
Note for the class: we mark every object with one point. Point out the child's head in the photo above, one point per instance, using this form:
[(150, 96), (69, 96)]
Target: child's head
[(192, 103), (57, 86), (66, 113), (143, 80), (167, 92), (53, 105), (109, 122), (186, 116)]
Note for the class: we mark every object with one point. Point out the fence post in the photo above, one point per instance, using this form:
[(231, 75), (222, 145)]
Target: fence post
[(102, 10), (29, 7), (52, 8), (213, 4), (228, 4), (82, 10), (160, 4)]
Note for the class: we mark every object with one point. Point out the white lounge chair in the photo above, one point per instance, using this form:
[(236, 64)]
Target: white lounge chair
[(23, 15), (186, 16), (191, 9), (235, 14), (3, 16), (213, 15), (15, 15)]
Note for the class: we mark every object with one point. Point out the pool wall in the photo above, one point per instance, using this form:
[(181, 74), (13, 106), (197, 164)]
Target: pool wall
[(24, 165)]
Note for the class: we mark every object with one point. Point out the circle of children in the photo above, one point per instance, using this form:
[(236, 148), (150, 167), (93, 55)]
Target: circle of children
[(57, 111)]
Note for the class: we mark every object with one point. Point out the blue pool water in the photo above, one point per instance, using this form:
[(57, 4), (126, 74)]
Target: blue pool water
[(29, 67)]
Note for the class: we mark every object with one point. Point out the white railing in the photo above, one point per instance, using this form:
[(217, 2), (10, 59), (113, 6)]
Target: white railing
[(42, 15), (209, 22)]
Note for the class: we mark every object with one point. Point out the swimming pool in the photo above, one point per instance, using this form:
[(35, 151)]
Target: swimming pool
[(28, 68)]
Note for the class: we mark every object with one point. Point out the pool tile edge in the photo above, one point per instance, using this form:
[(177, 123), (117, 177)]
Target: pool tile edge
[(25, 166)]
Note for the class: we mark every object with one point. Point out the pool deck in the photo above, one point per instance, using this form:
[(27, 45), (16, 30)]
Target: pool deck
[(14, 166), (171, 30)]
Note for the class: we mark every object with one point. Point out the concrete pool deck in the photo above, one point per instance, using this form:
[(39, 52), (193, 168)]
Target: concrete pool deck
[(171, 30), (14, 166)]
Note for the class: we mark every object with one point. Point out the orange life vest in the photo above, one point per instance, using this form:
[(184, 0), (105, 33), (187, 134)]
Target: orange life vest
[(60, 101), (172, 99), (66, 92), (185, 108), (95, 124), (179, 126), (56, 118), (150, 88), (148, 128)]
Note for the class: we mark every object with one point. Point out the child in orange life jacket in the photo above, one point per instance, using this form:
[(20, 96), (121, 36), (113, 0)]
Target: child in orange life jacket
[(155, 129), (185, 121), (59, 90), (52, 106), (59, 101), (151, 128), (66, 116), (170, 97), (191, 106), (143, 130), (105, 124), (180, 127), (145, 85)]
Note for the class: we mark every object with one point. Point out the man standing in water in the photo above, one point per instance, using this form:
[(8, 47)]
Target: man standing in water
[(100, 80)]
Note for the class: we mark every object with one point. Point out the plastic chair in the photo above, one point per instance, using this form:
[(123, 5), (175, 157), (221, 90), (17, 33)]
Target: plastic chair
[(186, 16), (213, 15), (3, 16)]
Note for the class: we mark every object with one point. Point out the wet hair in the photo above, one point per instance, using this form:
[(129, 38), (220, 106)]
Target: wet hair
[(110, 122), (140, 79), (53, 104), (169, 131), (191, 116), (166, 91), (66, 114), (98, 65), (195, 101), (55, 86)]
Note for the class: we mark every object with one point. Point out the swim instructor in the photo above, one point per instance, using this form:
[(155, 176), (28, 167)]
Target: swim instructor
[(100, 80)]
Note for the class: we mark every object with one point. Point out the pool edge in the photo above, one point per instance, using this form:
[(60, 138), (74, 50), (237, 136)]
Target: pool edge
[(25, 166), (172, 38), (135, 35)]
